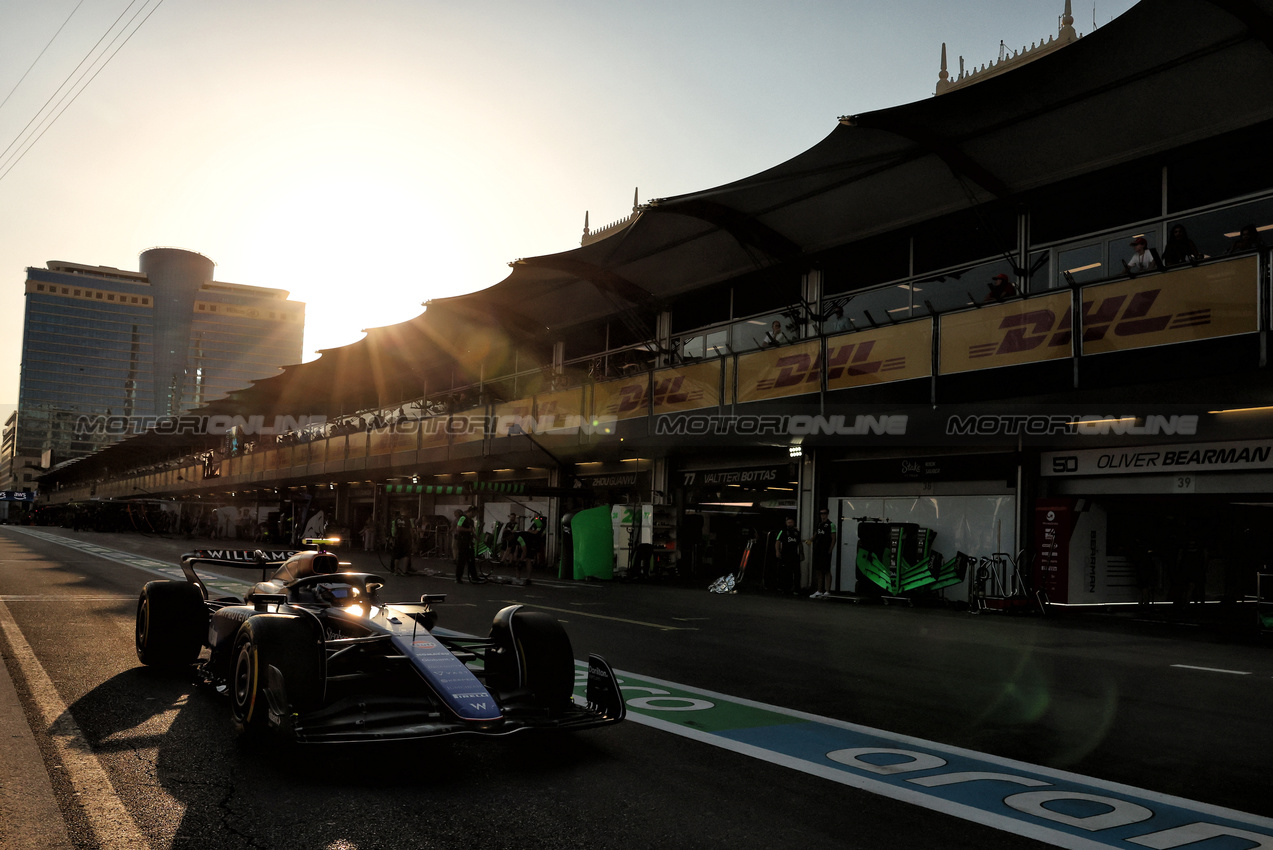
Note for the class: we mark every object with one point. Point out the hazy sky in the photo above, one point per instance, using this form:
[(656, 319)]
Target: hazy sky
[(368, 155)]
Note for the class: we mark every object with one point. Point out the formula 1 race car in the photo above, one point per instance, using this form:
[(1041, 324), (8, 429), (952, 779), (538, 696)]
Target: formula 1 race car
[(313, 653)]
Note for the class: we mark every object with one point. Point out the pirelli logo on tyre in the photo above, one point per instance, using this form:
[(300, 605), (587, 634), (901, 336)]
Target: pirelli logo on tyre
[(1153, 309)]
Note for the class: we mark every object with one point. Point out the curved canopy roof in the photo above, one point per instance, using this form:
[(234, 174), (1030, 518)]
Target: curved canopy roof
[(1166, 73)]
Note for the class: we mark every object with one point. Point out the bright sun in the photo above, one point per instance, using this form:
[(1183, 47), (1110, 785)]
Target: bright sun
[(361, 252), (355, 222)]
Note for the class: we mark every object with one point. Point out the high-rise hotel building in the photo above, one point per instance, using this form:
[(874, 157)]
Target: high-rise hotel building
[(156, 342)]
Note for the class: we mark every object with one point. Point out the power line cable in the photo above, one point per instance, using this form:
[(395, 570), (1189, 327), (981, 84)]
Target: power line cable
[(17, 139), (49, 122), (38, 58)]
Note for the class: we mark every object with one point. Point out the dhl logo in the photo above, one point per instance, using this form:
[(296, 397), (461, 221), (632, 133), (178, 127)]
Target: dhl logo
[(1125, 315), (846, 360), (666, 391)]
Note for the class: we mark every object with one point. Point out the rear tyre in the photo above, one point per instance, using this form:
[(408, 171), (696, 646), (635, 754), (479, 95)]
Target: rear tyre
[(172, 623), (533, 653), (293, 647)]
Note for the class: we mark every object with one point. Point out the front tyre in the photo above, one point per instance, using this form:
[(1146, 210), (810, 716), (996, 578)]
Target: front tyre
[(172, 623), (293, 648), (532, 652)]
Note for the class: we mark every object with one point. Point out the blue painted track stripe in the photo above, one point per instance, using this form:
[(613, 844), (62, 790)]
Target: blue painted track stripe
[(806, 742)]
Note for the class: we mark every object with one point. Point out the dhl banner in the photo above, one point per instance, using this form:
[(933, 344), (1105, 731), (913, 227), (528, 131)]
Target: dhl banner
[(392, 440), (510, 413), (1189, 304), (561, 409), (1178, 306), (687, 388), (357, 443), (433, 432), (1028, 331), (779, 372), (896, 353), (472, 429), (625, 398)]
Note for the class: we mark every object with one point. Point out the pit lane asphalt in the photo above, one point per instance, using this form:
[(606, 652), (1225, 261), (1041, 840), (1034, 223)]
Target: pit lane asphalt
[(696, 654)]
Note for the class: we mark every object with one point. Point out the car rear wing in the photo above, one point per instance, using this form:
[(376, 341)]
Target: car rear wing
[(262, 559)]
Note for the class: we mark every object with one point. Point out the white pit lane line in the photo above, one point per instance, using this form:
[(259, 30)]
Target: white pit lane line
[(112, 824), (1213, 670), (1059, 808)]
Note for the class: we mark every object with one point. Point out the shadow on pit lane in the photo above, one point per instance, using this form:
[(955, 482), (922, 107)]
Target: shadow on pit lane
[(182, 763)]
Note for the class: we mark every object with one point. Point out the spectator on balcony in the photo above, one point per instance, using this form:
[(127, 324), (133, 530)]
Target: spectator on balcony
[(1001, 288), (1141, 260), (775, 336), (836, 322), (1249, 239), (1180, 248)]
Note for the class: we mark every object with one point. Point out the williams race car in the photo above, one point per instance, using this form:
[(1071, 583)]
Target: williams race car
[(313, 653)]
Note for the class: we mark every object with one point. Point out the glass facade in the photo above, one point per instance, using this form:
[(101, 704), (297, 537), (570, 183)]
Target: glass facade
[(227, 352), (89, 348), (86, 350)]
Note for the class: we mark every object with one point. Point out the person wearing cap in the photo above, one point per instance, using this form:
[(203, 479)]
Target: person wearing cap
[(1141, 260), (1001, 288)]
